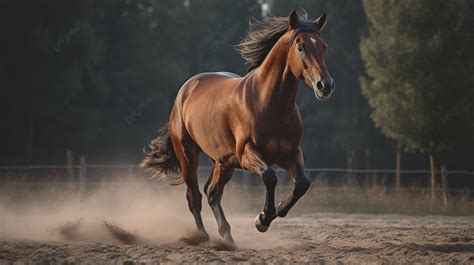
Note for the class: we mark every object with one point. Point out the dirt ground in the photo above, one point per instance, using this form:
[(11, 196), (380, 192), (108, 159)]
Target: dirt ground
[(137, 222), (314, 238)]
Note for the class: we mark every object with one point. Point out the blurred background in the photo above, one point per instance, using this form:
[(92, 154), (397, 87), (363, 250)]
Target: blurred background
[(85, 80)]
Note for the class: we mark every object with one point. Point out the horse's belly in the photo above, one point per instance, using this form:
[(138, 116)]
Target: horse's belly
[(224, 155)]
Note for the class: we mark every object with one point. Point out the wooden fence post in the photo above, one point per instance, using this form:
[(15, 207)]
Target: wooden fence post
[(433, 177), (82, 174), (70, 169), (444, 183), (398, 166), (350, 180), (367, 166)]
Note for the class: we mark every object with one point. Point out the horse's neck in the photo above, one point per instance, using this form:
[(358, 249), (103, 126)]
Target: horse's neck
[(276, 84)]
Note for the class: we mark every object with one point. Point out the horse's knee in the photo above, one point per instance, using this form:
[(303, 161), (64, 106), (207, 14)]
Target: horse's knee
[(269, 178), (301, 186)]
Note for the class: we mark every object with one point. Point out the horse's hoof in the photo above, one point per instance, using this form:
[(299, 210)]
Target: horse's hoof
[(258, 223)]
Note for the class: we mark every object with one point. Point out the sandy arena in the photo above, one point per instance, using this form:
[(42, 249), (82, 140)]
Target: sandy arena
[(143, 225)]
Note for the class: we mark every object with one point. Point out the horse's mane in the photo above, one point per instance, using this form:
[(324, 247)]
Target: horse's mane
[(261, 37)]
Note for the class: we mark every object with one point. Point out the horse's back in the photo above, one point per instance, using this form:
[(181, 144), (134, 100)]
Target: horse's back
[(228, 74), (207, 85), (210, 78)]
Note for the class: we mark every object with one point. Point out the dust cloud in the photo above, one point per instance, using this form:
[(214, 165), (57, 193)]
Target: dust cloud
[(137, 221), (132, 211)]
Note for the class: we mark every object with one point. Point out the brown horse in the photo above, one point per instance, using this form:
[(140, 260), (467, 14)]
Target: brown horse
[(249, 122)]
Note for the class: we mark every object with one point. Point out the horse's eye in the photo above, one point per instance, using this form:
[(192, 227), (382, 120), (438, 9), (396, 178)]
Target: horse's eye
[(299, 48)]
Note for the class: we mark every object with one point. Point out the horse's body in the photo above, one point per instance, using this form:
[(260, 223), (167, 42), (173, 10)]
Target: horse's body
[(240, 114), (249, 122)]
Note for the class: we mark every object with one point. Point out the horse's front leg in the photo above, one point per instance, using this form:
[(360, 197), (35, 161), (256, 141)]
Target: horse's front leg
[(253, 161), (263, 219), (295, 167)]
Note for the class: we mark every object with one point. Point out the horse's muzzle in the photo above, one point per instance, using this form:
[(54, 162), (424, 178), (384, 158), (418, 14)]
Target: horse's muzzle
[(324, 88)]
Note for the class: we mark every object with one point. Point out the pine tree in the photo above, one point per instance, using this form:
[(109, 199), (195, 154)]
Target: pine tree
[(419, 63)]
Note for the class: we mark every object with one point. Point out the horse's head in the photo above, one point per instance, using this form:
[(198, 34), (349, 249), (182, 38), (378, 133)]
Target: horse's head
[(306, 55)]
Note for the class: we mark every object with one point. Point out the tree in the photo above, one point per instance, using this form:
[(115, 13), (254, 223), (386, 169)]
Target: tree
[(100, 78), (419, 61)]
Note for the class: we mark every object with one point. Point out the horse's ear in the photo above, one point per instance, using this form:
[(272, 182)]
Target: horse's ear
[(320, 21), (293, 19)]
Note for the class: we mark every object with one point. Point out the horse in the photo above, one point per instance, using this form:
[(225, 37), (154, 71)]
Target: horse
[(250, 122)]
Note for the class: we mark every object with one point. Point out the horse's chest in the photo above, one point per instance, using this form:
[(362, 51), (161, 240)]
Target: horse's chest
[(276, 147), (277, 144), (276, 140)]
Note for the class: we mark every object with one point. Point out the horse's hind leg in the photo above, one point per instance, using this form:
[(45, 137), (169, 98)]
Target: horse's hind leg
[(187, 153), (214, 189)]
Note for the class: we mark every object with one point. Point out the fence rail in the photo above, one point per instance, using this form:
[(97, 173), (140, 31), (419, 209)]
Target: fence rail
[(84, 176), (83, 173), (333, 189), (206, 168)]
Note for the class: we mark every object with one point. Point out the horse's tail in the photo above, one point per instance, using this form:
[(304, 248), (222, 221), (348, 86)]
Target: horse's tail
[(161, 159)]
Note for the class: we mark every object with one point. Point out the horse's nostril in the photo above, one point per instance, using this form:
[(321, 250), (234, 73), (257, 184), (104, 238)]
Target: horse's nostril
[(320, 85), (327, 83)]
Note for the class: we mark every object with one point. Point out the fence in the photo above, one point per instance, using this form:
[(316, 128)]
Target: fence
[(333, 189), (83, 174)]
